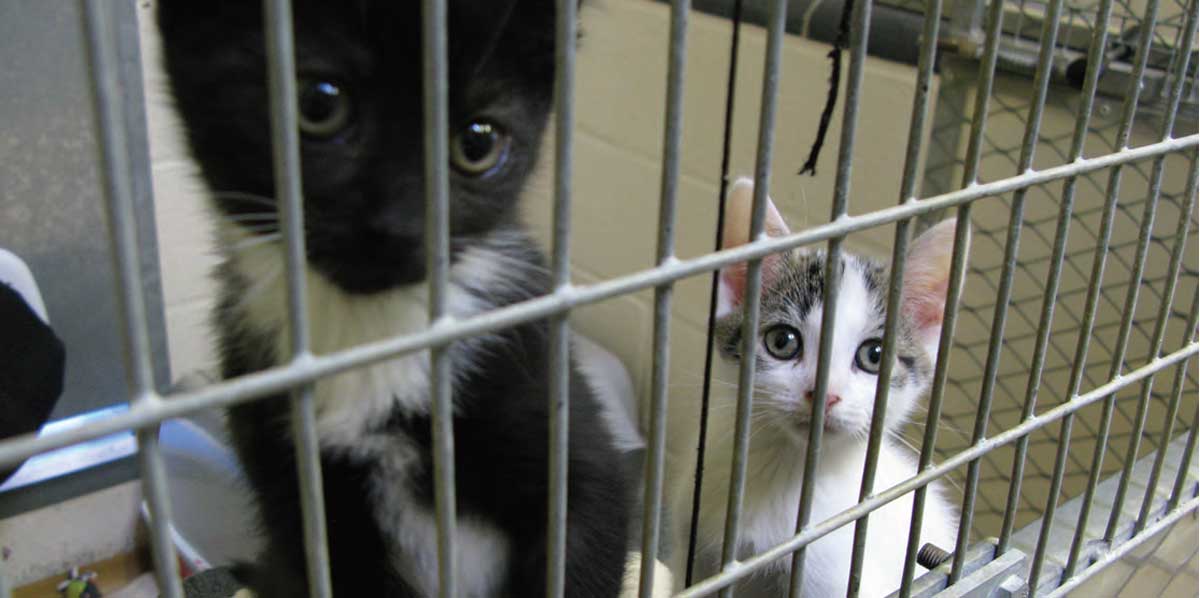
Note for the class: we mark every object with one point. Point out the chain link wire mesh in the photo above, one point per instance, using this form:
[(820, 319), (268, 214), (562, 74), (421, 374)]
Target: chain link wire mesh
[(1011, 96)]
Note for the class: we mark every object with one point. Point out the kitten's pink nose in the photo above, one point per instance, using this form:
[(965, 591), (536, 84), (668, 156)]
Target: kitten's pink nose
[(830, 400)]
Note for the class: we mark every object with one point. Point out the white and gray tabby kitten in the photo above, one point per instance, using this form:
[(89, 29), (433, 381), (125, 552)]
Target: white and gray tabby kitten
[(785, 373)]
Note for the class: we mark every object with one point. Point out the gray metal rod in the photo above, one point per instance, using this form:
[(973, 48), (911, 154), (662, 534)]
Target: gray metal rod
[(282, 378), (1168, 421), (983, 94), (656, 449), (859, 33), (1118, 552), (934, 472), (437, 249), (560, 356), (1116, 366), (816, 423), (1179, 73), (908, 191), (1054, 275), (1114, 183), (289, 197), (116, 172), (1176, 394), (1185, 464), (762, 174), (1049, 37)]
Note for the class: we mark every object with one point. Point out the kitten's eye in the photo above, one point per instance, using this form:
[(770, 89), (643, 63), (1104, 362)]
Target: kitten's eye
[(479, 149), (869, 355), (782, 342), (324, 108)]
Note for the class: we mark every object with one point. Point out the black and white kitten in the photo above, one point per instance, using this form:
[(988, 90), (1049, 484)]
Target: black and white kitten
[(358, 69), (793, 284)]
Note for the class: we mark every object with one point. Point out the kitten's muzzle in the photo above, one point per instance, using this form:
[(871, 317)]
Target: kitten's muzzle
[(830, 400)]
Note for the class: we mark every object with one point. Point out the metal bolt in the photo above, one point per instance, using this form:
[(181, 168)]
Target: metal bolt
[(930, 556)]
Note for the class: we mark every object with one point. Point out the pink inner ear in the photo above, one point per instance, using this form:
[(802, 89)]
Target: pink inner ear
[(925, 306), (733, 284)]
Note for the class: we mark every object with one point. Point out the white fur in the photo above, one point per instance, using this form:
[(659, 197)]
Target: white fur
[(776, 465), (348, 404)]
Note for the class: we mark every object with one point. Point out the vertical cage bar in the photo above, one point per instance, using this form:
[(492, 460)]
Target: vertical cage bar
[(277, 17), (560, 356), (762, 174), (116, 172), (1079, 365), (1050, 24), (652, 503), (983, 94), (437, 249), (908, 186), (702, 433), (1168, 420), (1185, 464), (860, 32), (1168, 427), (1054, 275), (860, 23), (1179, 73)]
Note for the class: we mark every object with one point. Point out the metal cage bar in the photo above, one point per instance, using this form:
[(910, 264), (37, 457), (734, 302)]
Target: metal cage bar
[(437, 249), (116, 173), (1185, 464), (1176, 394), (1168, 124), (277, 15), (746, 567), (983, 94), (281, 378), (745, 392), (714, 283), (560, 342), (1084, 340), (859, 33), (655, 462), (1124, 548), (299, 376), (908, 193), (1050, 26), (1087, 96)]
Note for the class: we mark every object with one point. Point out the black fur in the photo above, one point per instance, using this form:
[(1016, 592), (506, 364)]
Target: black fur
[(364, 191)]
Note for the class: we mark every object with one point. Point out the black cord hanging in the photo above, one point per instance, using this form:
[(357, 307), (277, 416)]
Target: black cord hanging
[(840, 43)]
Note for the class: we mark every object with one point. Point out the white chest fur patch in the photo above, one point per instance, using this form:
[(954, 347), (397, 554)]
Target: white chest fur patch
[(349, 403)]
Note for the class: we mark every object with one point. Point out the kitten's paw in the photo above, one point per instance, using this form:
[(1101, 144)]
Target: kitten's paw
[(663, 580)]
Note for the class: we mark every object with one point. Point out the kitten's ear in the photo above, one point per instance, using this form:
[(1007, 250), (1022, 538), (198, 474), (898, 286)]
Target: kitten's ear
[(739, 205), (927, 280)]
